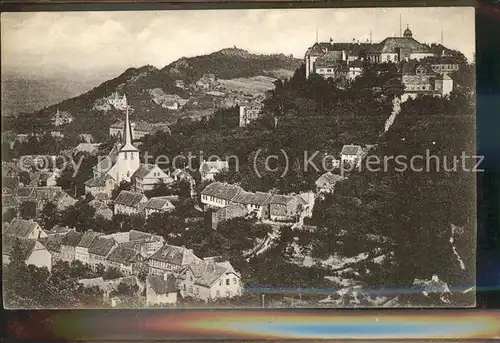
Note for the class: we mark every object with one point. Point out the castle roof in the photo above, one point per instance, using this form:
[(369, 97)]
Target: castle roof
[(391, 44)]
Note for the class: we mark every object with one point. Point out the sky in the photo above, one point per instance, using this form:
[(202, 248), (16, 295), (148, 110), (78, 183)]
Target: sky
[(110, 42)]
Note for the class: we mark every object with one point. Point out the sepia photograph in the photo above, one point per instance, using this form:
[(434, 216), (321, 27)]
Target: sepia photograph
[(257, 158)]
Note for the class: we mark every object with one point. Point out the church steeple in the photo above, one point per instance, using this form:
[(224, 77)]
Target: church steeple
[(127, 135)]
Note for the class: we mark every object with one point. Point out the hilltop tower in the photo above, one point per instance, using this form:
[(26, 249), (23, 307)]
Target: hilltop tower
[(127, 161)]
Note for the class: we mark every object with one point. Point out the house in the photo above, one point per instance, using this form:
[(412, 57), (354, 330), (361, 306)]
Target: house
[(86, 137), (108, 287), (208, 169), (158, 205), (139, 129), (328, 52), (419, 78), (44, 179), (101, 185), (82, 248), (34, 252), (179, 84), (171, 259), (326, 182), (147, 176), (443, 64), (171, 105), (10, 184), (249, 113), (218, 194), (351, 154), (22, 228), (53, 245), (332, 65), (68, 245), (61, 118), (90, 148), (118, 102), (210, 280), (161, 289), (129, 203), (99, 251), (254, 202), (127, 260), (59, 230), (355, 68), (233, 210), (9, 202), (283, 207), (57, 134), (101, 209), (181, 175), (146, 243)]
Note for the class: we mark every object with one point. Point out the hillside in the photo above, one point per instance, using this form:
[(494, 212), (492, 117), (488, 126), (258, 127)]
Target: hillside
[(150, 90)]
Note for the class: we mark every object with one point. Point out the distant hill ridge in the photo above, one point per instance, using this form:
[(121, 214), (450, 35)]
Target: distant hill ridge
[(229, 63)]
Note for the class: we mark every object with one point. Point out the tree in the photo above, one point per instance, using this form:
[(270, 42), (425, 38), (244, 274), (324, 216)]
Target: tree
[(79, 216), (24, 177), (123, 186), (112, 273), (8, 215), (159, 189), (27, 210), (49, 216)]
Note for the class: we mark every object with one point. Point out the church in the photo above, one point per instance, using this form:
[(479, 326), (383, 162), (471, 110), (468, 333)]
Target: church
[(123, 164)]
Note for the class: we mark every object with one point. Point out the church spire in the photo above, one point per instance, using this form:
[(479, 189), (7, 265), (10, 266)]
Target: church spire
[(127, 134)]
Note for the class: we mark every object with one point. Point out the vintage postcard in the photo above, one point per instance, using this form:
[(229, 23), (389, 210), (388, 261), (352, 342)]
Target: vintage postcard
[(239, 158)]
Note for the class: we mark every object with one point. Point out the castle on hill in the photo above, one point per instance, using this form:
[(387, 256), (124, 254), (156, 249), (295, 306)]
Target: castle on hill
[(424, 69)]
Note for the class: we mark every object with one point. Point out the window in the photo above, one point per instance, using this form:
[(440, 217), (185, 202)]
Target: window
[(184, 287), (126, 156), (234, 281), (190, 289), (197, 290), (329, 70), (220, 283), (191, 278), (217, 294), (227, 282)]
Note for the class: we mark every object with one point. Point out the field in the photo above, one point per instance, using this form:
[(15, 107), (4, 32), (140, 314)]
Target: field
[(252, 85)]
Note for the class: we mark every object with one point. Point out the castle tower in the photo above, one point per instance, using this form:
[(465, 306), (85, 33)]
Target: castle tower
[(408, 33), (128, 157)]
